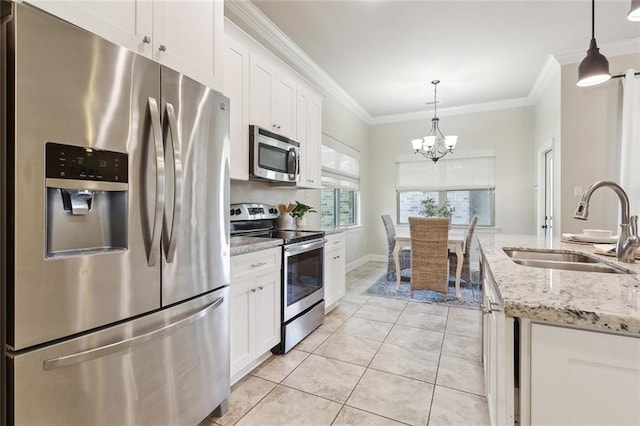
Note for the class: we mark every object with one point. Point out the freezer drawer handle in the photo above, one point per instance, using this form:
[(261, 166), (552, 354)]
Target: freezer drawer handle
[(154, 249), (102, 351)]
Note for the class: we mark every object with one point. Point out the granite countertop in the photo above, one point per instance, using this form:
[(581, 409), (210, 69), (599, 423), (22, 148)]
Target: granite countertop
[(241, 245), (587, 299)]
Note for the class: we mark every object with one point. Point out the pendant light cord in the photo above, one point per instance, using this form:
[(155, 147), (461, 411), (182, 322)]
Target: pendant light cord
[(435, 99), (593, 19)]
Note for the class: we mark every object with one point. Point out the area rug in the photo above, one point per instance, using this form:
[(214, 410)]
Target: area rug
[(471, 293)]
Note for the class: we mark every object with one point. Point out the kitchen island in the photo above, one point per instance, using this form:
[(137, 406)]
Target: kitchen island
[(586, 299), (559, 346)]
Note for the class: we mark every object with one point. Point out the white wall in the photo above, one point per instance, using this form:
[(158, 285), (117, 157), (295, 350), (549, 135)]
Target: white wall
[(508, 131), (547, 118), (590, 136), (343, 125)]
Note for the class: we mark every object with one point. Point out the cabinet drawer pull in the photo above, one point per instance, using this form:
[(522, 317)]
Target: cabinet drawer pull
[(255, 265), (260, 287), (146, 40), (253, 290), (162, 48)]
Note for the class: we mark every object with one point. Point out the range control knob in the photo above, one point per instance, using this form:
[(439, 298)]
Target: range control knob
[(272, 210), (232, 212), (237, 211)]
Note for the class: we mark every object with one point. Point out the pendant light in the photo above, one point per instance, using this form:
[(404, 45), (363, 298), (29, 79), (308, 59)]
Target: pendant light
[(594, 68), (435, 145), (634, 12)]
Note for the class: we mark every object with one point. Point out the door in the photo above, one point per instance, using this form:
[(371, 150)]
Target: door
[(261, 82), (187, 36), (236, 87), (74, 89), (303, 280), (167, 368), (196, 137), (548, 193), (125, 23)]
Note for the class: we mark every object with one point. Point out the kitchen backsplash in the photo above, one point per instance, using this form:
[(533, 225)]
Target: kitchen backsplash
[(261, 192)]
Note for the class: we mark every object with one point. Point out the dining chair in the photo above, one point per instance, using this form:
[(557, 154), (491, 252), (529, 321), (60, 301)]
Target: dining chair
[(453, 259), (405, 253), (429, 259)]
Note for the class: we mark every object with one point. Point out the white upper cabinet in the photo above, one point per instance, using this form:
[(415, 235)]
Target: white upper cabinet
[(185, 35), (236, 88), (309, 131), (125, 23), (269, 95), (272, 96)]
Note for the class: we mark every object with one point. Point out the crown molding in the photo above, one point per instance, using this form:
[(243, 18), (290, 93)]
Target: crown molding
[(251, 16), (456, 110), (549, 70), (618, 48), (283, 46)]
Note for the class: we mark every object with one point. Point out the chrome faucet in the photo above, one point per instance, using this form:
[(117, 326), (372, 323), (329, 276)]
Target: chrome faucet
[(628, 241)]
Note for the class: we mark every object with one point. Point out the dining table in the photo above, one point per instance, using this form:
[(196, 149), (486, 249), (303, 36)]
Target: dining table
[(455, 243)]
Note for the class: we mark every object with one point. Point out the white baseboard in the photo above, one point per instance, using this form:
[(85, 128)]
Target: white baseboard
[(364, 259)]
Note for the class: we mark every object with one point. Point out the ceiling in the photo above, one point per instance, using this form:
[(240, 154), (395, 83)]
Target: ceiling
[(384, 53)]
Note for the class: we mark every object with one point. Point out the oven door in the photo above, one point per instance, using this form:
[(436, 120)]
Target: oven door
[(303, 278)]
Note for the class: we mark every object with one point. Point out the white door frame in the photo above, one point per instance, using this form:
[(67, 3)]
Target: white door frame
[(540, 185)]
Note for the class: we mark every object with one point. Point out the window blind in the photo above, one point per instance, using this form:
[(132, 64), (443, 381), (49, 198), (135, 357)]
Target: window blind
[(452, 173), (340, 165)]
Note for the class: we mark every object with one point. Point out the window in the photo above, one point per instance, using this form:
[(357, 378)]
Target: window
[(467, 181), (340, 196)]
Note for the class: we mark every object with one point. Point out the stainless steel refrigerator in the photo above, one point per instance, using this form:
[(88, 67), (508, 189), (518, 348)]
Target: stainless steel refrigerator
[(114, 239)]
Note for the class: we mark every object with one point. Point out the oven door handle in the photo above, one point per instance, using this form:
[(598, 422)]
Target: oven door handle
[(302, 247)]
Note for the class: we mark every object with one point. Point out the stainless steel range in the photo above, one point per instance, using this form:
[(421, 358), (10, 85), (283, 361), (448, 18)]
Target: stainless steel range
[(302, 270)]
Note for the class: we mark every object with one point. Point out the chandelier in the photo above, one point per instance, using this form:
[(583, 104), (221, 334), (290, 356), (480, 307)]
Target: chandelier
[(435, 145)]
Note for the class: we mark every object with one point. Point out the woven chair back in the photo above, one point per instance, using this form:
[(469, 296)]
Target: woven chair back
[(429, 256), (404, 255), (469, 240)]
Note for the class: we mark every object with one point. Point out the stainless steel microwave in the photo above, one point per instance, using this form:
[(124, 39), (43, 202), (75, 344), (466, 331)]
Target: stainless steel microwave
[(273, 157)]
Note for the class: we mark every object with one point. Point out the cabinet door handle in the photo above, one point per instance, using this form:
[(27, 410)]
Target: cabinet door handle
[(253, 290), (162, 48), (260, 287), (255, 265), (146, 40)]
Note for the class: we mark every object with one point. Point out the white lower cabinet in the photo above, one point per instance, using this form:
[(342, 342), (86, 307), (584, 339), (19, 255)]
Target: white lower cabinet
[(255, 306), (334, 270), (497, 354), (580, 377)]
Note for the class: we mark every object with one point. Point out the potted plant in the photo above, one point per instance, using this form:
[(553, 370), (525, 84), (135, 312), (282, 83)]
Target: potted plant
[(299, 212), (432, 209)]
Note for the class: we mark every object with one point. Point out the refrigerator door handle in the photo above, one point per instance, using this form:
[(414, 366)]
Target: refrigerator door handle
[(102, 351), (156, 129), (171, 241)]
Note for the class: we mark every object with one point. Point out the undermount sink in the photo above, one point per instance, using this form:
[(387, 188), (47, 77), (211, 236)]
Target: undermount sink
[(566, 260)]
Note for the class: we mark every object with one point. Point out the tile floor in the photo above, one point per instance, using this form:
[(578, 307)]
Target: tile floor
[(374, 361)]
